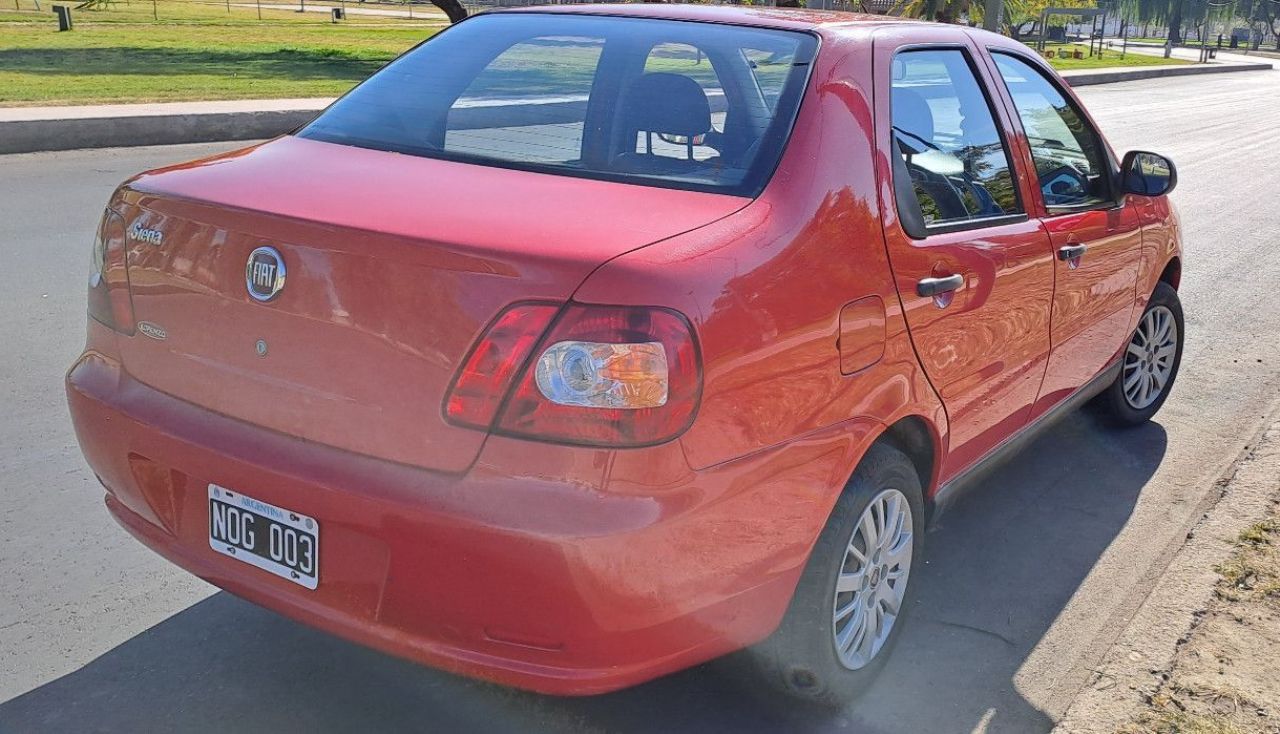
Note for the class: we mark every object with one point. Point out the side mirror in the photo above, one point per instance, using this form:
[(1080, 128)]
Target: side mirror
[(1148, 174)]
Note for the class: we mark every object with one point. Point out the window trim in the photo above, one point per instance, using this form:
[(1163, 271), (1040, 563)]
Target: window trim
[(1116, 200), (961, 225)]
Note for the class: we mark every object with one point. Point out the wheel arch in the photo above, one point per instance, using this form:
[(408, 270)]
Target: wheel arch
[(917, 438), (1172, 273)]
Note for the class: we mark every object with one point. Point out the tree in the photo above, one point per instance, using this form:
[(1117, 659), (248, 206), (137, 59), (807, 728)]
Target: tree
[(1021, 17), (1170, 12), (1175, 23), (451, 8), (1266, 12)]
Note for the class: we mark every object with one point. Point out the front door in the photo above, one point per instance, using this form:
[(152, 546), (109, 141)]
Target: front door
[(1097, 242), (974, 271)]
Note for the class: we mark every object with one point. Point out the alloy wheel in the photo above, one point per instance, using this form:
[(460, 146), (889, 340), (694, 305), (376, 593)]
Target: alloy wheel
[(1148, 360), (873, 579)]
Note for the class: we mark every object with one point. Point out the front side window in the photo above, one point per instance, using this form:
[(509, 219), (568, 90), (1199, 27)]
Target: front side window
[(665, 103), (945, 131), (1070, 161)]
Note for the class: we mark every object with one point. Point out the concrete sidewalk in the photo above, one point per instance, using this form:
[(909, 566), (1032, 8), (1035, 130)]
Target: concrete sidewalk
[(31, 129), (422, 12), (1192, 53)]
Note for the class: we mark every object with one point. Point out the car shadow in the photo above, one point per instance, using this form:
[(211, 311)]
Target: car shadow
[(998, 569)]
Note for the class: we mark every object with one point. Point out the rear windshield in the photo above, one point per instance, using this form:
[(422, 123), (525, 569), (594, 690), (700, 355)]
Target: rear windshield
[(666, 103)]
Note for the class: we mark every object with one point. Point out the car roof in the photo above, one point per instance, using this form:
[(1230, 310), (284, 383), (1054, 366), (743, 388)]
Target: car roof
[(768, 17)]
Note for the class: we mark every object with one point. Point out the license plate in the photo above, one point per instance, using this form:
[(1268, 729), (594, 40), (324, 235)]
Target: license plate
[(274, 539)]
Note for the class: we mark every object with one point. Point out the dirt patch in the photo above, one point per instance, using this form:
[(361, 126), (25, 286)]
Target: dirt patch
[(1225, 676)]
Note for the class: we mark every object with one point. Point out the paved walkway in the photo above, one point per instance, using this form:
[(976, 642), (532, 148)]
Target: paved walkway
[(81, 112), (156, 109), (28, 129), (1193, 54), (355, 8)]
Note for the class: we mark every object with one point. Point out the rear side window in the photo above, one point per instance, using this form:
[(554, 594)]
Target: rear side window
[(667, 103), (770, 71), (1070, 162), (948, 141)]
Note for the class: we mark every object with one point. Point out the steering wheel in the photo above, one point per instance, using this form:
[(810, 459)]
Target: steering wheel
[(1064, 185)]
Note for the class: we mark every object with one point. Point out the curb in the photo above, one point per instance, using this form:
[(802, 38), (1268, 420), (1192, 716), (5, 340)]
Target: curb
[(1090, 78), (1132, 666), (120, 126), (27, 136)]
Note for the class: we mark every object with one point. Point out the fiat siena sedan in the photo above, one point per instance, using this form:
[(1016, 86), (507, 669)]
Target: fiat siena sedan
[(579, 346)]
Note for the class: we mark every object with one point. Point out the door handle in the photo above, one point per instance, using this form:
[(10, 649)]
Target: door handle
[(1071, 252), (928, 287)]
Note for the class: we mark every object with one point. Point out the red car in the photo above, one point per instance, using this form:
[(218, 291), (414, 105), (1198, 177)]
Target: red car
[(617, 338)]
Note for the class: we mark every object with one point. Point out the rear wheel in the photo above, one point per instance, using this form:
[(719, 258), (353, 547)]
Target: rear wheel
[(1150, 362), (849, 605)]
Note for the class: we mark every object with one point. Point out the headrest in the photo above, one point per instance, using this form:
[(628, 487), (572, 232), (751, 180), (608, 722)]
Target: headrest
[(667, 103), (911, 113)]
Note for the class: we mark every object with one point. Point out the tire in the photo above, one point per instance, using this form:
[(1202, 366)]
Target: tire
[(800, 660), (1123, 401)]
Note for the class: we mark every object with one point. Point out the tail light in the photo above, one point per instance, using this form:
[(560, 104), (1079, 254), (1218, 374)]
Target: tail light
[(109, 298), (487, 374), (617, 376)]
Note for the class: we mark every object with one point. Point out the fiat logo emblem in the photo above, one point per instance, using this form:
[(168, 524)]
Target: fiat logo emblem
[(264, 274)]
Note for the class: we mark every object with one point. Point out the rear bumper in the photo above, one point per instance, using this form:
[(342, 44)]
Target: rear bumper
[(511, 576)]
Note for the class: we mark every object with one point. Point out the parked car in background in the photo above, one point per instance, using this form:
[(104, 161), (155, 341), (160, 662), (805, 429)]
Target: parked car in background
[(583, 344)]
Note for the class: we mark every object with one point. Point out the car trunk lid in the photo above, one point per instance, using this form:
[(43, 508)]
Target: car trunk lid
[(393, 266)]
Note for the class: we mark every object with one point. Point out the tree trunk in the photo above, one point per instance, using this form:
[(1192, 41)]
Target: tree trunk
[(1175, 24), (451, 8)]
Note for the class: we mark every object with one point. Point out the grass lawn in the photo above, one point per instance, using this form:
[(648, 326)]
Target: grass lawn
[(205, 49), (195, 51), (1110, 58)]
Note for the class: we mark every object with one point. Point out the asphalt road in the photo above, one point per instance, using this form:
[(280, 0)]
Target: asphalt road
[(1022, 588)]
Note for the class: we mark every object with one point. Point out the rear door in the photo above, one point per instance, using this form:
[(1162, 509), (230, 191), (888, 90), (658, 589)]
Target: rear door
[(974, 271), (1096, 236)]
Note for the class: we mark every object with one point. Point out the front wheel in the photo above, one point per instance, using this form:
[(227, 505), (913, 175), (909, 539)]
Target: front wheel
[(848, 607), (1150, 361)]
